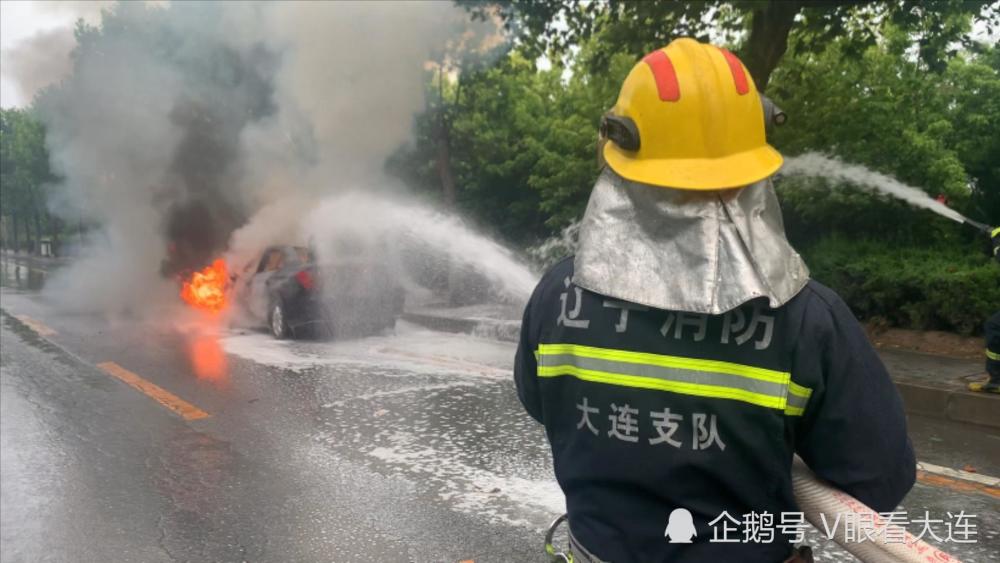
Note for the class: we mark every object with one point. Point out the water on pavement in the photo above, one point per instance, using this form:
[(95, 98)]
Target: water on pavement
[(410, 446)]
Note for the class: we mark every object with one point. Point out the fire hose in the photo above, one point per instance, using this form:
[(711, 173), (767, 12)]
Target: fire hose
[(823, 504), (830, 509)]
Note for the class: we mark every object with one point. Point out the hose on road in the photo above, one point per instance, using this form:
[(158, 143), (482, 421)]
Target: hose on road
[(829, 509)]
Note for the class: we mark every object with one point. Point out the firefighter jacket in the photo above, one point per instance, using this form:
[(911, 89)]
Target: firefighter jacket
[(648, 411)]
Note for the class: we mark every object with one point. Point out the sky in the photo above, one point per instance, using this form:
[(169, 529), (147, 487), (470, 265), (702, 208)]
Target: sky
[(23, 23)]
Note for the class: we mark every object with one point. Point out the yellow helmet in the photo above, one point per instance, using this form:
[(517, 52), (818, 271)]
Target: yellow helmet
[(689, 116)]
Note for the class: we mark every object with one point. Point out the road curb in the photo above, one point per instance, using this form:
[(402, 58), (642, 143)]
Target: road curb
[(960, 406), (937, 402)]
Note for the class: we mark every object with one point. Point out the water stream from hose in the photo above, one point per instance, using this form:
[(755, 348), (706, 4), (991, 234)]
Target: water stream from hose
[(432, 238), (818, 165)]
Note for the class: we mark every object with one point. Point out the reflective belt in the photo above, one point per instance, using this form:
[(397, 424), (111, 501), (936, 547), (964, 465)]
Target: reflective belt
[(992, 355), (687, 376)]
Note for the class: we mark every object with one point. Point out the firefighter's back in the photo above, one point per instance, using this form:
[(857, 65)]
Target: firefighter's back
[(649, 411)]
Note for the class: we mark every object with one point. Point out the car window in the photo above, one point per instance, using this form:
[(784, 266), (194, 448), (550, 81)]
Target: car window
[(263, 261), (271, 261), (303, 254), (274, 260)]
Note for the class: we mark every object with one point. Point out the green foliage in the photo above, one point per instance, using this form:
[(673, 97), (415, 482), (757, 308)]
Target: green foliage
[(25, 176), (761, 28), (523, 145), (880, 84), (884, 110), (896, 85), (940, 287), (939, 132)]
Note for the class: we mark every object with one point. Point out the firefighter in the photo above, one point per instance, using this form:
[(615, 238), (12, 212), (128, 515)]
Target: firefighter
[(683, 356), (991, 332)]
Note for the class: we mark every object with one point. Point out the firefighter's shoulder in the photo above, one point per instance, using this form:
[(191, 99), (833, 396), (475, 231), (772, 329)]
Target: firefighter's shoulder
[(819, 304), (555, 279), (826, 326)]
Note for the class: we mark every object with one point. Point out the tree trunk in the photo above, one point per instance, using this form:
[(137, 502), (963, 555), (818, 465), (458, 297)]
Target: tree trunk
[(444, 148), (447, 179), (444, 165), (37, 248), (13, 224), (55, 225), (768, 38)]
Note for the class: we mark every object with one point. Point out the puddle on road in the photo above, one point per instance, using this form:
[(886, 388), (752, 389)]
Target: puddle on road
[(17, 275), (436, 412), (409, 350), (458, 444)]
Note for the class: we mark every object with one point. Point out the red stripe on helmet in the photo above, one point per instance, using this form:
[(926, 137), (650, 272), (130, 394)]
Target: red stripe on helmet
[(665, 76), (739, 75)]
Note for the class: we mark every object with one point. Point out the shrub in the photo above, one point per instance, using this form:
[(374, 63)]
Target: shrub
[(941, 288)]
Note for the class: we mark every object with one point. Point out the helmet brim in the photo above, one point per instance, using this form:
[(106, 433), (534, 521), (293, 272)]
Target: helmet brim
[(731, 171)]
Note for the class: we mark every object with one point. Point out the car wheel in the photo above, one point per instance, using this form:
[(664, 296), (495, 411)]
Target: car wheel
[(277, 321)]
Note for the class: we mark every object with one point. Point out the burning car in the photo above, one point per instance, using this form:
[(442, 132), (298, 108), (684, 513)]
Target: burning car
[(288, 291)]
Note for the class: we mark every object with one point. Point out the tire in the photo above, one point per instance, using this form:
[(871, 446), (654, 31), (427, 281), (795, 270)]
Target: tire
[(277, 321)]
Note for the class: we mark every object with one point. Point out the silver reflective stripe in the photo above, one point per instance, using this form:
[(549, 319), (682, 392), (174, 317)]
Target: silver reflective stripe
[(798, 398), (696, 377), (795, 402)]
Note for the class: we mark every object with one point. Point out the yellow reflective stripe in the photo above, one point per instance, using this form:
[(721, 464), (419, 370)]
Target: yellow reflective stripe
[(992, 355), (689, 376), (798, 398), (798, 390), (995, 232), (660, 360), (640, 382)]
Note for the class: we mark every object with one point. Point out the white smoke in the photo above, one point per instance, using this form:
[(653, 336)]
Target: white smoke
[(182, 123), (36, 39)]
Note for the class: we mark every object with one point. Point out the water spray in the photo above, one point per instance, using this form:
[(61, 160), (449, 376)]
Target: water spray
[(981, 226), (816, 164)]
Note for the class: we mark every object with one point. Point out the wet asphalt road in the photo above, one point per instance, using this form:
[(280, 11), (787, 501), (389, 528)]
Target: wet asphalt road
[(409, 447)]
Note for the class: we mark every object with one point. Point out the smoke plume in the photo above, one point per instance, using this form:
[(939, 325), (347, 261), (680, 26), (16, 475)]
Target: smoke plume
[(180, 125)]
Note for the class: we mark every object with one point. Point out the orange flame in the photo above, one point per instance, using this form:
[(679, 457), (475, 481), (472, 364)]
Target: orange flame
[(207, 289)]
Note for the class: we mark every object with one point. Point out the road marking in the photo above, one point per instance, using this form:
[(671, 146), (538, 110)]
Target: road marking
[(959, 474), (958, 485), (183, 408), (957, 480), (35, 325)]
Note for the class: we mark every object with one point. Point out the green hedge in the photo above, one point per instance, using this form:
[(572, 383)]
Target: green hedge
[(951, 288)]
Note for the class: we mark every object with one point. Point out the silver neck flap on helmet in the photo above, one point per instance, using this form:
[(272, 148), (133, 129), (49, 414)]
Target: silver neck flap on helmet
[(683, 250)]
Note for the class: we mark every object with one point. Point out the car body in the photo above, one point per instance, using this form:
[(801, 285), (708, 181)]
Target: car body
[(285, 289)]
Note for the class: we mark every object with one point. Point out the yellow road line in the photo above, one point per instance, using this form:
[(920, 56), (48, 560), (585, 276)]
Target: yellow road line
[(35, 325), (183, 408), (957, 485)]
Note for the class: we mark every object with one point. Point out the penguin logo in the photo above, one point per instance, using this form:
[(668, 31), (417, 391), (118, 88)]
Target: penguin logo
[(680, 526)]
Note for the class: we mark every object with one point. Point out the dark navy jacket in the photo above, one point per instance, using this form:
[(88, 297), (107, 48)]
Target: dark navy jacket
[(648, 411)]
